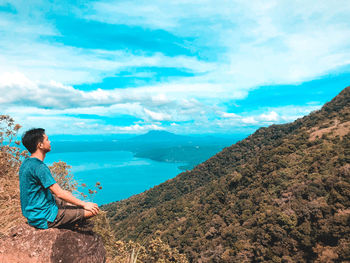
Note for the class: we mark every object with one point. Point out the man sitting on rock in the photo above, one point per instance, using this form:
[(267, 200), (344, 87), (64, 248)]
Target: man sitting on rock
[(43, 202)]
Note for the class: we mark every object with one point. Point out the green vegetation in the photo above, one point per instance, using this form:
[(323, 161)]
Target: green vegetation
[(281, 195)]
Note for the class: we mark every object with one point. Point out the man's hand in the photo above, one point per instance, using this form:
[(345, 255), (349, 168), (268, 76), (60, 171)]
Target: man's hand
[(92, 207)]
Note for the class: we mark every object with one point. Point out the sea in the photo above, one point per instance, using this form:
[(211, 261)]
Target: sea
[(119, 173)]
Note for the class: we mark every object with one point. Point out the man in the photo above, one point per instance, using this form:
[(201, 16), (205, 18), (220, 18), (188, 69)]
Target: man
[(43, 202)]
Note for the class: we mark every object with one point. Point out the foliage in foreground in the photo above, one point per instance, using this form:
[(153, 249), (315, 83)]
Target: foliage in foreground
[(151, 250), (10, 160)]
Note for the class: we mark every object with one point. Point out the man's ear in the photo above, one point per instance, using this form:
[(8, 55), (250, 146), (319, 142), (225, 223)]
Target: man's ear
[(39, 145)]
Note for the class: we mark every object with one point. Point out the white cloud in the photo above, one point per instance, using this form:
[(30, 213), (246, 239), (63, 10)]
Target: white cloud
[(20, 90), (249, 120), (60, 121), (139, 129), (157, 116), (228, 115), (55, 122), (272, 116)]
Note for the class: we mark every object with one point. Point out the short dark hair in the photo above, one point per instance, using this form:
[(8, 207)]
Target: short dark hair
[(32, 137)]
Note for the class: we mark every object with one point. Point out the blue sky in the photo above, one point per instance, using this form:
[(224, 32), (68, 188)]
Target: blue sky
[(189, 67)]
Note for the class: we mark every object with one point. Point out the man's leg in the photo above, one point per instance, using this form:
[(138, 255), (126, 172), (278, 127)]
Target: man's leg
[(68, 214), (88, 214)]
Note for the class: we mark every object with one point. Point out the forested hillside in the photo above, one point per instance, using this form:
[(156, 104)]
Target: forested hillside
[(280, 195)]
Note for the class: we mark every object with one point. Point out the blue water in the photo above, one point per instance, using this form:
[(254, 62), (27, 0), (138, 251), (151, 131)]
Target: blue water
[(120, 173)]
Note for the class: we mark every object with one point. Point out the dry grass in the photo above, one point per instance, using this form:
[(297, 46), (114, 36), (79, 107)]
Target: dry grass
[(10, 206), (10, 160), (152, 250), (337, 129)]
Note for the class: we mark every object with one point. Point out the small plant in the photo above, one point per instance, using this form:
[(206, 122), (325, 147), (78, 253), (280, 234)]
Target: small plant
[(133, 257), (91, 192), (61, 171)]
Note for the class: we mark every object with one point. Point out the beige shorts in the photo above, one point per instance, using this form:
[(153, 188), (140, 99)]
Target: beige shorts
[(68, 214)]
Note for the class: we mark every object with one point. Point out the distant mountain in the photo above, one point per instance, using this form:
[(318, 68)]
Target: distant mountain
[(280, 195), (159, 137), (154, 139)]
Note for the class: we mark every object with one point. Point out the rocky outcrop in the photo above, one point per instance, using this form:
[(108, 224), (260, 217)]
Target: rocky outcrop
[(26, 244)]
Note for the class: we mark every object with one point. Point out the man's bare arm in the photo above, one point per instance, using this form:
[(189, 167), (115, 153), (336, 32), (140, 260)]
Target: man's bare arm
[(68, 197)]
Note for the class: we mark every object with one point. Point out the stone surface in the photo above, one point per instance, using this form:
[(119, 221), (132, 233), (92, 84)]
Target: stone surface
[(26, 244)]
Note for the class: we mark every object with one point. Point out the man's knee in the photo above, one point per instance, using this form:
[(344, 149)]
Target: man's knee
[(88, 214)]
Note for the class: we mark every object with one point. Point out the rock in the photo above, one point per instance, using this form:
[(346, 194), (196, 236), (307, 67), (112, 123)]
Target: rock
[(26, 244)]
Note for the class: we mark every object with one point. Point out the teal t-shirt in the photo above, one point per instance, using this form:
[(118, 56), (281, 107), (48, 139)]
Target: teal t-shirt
[(37, 203)]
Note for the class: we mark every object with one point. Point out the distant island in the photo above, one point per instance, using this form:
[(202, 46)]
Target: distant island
[(161, 146)]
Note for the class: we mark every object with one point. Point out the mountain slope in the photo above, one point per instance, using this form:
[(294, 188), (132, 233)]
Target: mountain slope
[(282, 194)]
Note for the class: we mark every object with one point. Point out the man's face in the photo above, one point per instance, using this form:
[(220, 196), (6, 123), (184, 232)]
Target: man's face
[(45, 145)]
